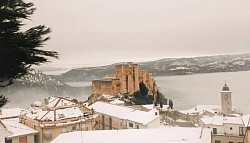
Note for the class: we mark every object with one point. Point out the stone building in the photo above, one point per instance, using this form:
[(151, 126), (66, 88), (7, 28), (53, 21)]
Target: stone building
[(126, 81), (57, 115)]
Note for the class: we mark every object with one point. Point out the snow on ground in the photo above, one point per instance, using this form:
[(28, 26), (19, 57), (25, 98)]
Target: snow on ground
[(159, 135)]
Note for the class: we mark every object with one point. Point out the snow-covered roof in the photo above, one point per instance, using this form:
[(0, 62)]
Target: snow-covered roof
[(124, 112), (112, 110), (199, 109), (159, 135), (10, 113), (56, 109), (59, 102), (220, 120), (246, 120), (117, 102), (142, 116), (52, 115), (15, 128)]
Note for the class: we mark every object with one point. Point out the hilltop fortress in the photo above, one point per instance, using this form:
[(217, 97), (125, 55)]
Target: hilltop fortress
[(125, 82)]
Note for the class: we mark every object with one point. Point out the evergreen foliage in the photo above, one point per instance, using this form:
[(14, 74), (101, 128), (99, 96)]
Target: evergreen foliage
[(143, 89), (3, 100), (141, 97), (19, 49), (171, 104)]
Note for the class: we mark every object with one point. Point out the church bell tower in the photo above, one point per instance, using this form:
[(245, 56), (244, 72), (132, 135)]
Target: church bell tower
[(226, 100)]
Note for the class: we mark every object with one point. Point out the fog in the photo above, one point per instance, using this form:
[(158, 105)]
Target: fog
[(190, 90), (23, 98), (185, 91)]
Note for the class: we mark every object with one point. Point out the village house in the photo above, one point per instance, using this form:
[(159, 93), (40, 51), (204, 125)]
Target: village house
[(114, 117), (12, 131), (159, 135), (57, 115), (126, 82), (224, 129)]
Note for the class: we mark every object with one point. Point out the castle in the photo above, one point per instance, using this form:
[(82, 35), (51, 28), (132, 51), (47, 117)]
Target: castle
[(126, 81)]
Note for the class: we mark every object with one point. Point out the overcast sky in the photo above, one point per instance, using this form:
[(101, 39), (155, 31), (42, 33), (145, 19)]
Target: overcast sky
[(100, 32)]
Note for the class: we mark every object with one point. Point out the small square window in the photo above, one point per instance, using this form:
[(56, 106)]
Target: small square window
[(231, 128), (217, 141), (137, 127)]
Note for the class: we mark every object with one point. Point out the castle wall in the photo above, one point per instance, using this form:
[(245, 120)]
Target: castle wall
[(126, 81), (129, 78), (106, 86)]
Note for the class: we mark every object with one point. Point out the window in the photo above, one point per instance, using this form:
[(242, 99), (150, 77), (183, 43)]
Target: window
[(74, 128), (231, 128), (231, 142), (214, 130), (130, 125), (47, 134), (137, 127), (8, 141), (241, 131), (217, 141), (110, 123)]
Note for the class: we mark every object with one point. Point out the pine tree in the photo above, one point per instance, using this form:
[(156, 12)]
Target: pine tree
[(171, 104), (3, 100), (143, 89), (20, 49)]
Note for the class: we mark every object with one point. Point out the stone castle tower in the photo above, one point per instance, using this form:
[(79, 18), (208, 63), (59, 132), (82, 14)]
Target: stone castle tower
[(226, 100), (125, 81), (129, 77)]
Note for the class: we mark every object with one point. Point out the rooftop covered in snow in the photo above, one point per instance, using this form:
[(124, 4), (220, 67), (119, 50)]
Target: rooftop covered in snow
[(220, 120), (199, 109), (125, 113), (15, 128), (10, 113), (159, 135), (57, 109)]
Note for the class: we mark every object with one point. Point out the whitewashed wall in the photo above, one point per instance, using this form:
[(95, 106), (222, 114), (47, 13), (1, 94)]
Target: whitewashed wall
[(2, 135), (234, 131), (155, 123)]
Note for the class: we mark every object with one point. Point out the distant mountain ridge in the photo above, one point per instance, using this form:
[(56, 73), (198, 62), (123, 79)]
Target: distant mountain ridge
[(167, 67)]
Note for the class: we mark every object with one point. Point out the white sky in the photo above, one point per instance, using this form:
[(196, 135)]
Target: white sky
[(100, 32)]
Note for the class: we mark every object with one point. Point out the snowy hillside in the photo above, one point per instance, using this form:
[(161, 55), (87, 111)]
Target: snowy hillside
[(168, 66), (37, 81)]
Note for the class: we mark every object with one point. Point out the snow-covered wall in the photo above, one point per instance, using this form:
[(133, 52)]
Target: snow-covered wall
[(2, 135)]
